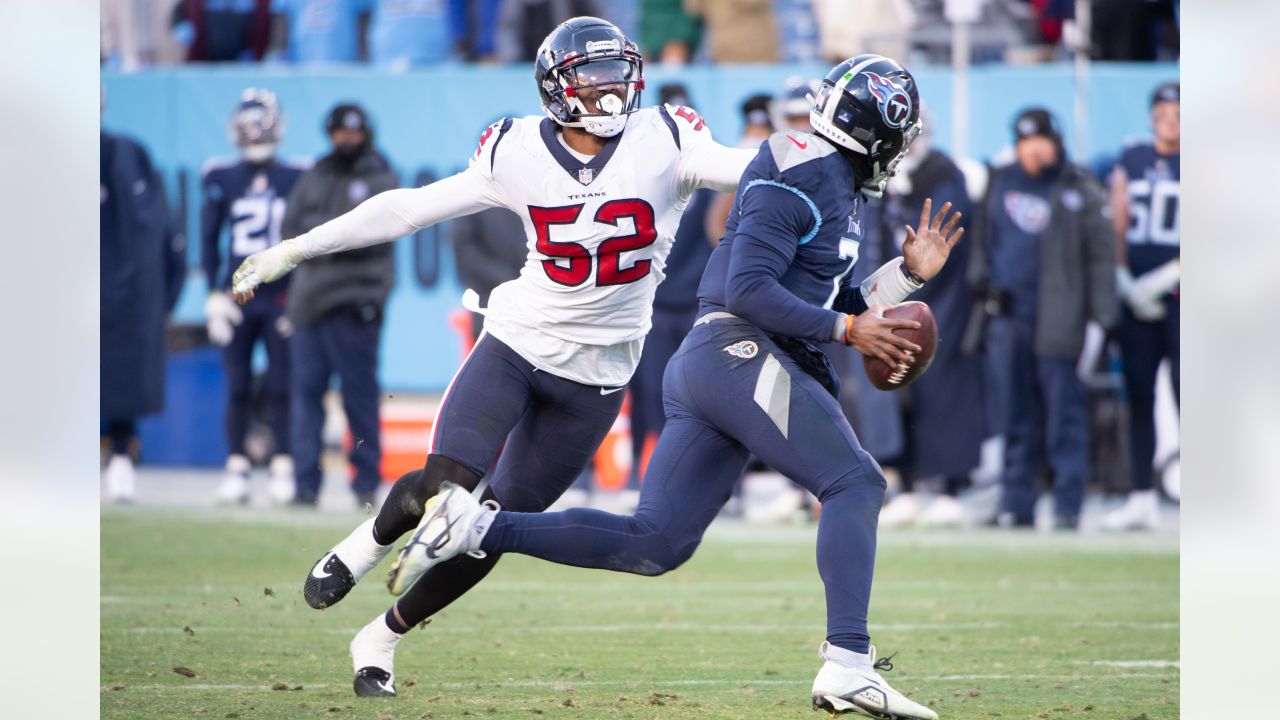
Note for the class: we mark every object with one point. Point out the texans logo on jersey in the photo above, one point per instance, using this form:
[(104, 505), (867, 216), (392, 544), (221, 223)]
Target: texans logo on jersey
[(895, 103)]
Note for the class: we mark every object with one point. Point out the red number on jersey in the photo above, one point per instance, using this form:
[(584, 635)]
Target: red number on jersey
[(579, 258), (610, 252), (483, 137), (610, 270), (694, 118)]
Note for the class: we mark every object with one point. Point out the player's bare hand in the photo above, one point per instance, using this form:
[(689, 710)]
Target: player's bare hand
[(264, 267), (872, 334), (926, 249)]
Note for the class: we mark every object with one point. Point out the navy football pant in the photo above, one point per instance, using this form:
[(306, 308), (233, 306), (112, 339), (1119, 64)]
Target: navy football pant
[(344, 343), (1142, 346), (1047, 416), (261, 318), (547, 429), (730, 392)]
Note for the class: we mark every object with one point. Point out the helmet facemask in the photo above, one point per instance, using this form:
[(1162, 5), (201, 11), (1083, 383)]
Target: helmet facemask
[(257, 126), (585, 93)]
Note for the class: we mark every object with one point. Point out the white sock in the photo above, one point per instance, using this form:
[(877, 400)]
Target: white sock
[(847, 658), (359, 549), (480, 527)]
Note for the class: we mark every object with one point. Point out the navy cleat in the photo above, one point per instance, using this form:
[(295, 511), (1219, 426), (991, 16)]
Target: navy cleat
[(374, 682)]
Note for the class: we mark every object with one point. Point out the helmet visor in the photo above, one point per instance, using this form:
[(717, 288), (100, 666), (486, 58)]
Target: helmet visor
[(604, 72)]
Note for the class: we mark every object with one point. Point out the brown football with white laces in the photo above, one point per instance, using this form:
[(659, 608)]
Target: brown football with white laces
[(887, 377)]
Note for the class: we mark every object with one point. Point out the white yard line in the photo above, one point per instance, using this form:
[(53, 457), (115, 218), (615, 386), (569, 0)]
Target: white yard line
[(568, 684), (1131, 663), (639, 627)]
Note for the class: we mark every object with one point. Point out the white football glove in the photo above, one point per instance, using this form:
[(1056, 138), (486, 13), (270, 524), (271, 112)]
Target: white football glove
[(1144, 308), (263, 267), (221, 316)]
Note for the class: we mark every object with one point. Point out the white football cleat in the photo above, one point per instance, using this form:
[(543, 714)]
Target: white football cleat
[(373, 653), (944, 511), (901, 511), (1141, 511), (453, 522), (335, 574), (121, 479), (841, 689), (234, 488), (281, 486)]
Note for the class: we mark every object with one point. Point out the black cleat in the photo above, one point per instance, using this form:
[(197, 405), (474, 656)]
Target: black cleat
[(374, 682), (328, 582)]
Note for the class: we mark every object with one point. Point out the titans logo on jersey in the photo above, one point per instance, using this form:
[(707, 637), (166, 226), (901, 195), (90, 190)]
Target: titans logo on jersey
[(250, 200), (1154, 190)]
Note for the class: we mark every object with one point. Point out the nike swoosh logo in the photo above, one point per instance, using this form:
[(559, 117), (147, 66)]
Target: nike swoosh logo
[(799, 144), (318, 571), (387, 686), (610, 391)]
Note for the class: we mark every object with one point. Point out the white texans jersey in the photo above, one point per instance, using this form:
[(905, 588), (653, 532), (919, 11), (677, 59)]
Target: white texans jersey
[(598, 230)]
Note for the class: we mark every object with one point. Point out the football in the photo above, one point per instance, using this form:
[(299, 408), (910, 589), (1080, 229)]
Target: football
[(886, 377)]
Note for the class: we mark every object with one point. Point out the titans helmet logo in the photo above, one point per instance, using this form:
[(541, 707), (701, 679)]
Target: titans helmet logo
[(895, 103)]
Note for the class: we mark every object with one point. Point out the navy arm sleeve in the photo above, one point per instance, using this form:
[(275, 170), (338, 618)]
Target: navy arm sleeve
[(212, 213), (774, 221)]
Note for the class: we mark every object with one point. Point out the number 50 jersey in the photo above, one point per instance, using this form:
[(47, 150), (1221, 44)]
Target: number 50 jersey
[(1154, 193)]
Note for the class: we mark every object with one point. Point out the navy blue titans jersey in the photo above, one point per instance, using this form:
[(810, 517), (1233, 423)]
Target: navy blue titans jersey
[(250, 200), (1154, 187), (790, 242)]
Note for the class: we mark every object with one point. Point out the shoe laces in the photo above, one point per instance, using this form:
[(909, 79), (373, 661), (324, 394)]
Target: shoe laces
[(884, 664)]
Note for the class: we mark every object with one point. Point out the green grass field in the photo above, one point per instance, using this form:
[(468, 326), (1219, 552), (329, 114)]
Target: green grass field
[(984, 624)]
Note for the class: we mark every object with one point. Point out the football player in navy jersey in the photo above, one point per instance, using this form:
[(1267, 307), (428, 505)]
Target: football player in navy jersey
[(248, 196), (749, 378), (1145, 199)]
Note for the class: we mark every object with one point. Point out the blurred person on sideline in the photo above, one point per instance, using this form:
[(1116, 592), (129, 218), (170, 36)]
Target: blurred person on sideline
[(936, 443), (1045, 259), (474, 28), (336, 304), (141, 271), (668, 34), (248, 195), (791, 106), (523, 24), (409, 33), (851, 26), (740, 31), (1145, 195), (139, 35), (675, 305), (310, 32), (224, 30), (757, 126)]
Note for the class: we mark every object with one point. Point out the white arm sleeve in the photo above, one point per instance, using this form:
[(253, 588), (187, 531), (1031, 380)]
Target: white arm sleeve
[(712, 165), (395, 213), (888, 285)]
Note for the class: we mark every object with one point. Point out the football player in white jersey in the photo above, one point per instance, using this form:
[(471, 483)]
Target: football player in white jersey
[(600, 184)]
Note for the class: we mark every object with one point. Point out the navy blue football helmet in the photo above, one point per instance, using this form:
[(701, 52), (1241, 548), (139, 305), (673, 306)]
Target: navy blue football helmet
[(869, 107), (578, 56), (257, 125)]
